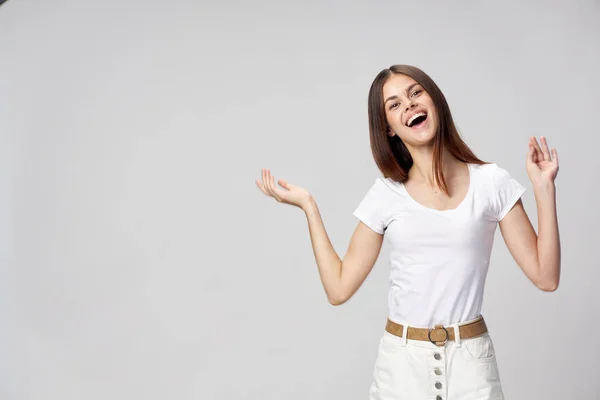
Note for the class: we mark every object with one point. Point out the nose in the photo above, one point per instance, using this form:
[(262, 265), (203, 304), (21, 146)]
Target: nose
[(410, 105)]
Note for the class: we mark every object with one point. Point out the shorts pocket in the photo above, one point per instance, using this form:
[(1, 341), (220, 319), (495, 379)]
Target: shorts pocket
[(481, 348), (390, 343)]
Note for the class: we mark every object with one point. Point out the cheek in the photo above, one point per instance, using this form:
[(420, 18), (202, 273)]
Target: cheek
[(393, 122), (435, 122), (399, 128)]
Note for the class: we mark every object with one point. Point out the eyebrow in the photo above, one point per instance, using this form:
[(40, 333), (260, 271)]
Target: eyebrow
[(395, 97)]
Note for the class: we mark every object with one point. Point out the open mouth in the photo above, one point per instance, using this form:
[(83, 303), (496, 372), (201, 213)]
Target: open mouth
[(417, 120)]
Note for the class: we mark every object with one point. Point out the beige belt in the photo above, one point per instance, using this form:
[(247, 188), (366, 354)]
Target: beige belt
[(439, 334)]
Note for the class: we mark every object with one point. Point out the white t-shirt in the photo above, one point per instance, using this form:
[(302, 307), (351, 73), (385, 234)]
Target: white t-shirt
[(439, 259)]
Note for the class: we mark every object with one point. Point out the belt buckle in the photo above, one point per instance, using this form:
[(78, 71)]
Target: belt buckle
[(432, 329)]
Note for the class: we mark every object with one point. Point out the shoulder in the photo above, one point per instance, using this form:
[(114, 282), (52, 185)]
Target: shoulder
[(383, 185), (491, 172), (392, 190), (385, 190), (378, 189), (486, 169)]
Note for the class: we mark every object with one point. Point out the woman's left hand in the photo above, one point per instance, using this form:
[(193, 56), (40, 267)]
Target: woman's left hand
[(542, 165)]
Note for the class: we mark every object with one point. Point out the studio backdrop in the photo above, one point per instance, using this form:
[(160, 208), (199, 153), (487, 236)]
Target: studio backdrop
[(138, 258)]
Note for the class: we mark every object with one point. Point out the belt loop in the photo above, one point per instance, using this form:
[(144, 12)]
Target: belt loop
[(404, 334), (457, 334)]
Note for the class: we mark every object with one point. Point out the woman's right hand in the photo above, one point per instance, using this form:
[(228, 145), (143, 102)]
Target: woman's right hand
[(290, 194)]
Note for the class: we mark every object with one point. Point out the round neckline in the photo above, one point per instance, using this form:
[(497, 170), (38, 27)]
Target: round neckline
[(449, 210)]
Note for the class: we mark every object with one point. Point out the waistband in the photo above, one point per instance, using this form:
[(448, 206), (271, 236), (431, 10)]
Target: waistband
[(439, 334)]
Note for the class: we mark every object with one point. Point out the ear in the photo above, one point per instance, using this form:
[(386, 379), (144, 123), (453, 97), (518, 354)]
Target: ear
[(390, 132)]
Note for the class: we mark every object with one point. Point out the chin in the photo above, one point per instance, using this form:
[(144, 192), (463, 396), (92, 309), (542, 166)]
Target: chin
[(421, 138)]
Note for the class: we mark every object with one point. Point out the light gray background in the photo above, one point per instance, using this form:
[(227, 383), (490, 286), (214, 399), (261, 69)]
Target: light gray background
[(140, 261)]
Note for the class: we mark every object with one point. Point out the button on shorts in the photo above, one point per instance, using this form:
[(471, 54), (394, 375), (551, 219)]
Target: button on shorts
[(465, 369)]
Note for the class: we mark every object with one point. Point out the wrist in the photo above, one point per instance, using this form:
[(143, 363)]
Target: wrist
[(309, 204), (544, 189)]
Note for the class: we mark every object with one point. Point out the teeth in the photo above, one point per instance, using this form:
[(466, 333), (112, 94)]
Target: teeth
[(413, 118)]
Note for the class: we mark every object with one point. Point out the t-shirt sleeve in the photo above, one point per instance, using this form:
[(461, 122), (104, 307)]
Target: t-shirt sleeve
[(507, 190), (371, 209)]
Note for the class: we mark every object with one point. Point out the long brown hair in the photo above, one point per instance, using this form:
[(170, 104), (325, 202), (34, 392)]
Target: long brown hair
[(391, 155)]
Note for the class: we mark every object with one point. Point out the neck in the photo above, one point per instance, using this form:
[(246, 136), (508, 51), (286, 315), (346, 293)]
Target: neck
[(422, 169)]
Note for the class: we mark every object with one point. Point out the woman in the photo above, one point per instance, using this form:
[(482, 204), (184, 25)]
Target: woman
[(439, 205)]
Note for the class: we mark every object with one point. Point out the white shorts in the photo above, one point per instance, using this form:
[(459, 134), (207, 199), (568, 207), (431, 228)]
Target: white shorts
[(464, 369)]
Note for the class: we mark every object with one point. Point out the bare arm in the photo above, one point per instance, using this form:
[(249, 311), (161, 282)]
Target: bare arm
[(537, 255), (342, 278)]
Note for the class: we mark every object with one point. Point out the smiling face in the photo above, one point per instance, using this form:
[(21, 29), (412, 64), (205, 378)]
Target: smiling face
[(409, 110)]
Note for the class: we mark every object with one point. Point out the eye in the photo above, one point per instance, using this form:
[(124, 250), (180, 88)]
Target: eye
[(393, 105), (415, 93)]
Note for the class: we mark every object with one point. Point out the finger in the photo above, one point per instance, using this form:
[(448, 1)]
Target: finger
[(262, 178), (274, 188), (265, 182), (555, 156), (260, 186), (532, 145), (535, 144), (531, 154), (545, 149), (268, 181), (539, 155), (270, 184)]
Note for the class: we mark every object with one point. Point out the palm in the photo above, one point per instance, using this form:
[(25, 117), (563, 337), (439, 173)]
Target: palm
[(288, 193)]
